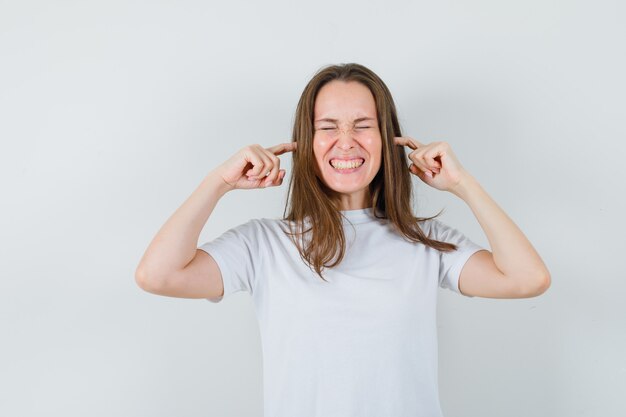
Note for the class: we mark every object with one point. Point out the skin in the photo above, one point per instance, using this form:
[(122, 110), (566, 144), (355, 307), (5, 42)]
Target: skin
[(346, 102)]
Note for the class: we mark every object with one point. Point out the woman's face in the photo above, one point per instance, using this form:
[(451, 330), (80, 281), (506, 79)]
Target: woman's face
[(347, 143)]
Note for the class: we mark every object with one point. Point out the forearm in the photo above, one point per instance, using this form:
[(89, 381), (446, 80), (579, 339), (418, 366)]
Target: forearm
[(513, 254), (174, 246)]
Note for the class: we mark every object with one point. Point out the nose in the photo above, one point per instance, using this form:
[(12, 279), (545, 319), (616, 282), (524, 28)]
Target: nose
[(345, 139)]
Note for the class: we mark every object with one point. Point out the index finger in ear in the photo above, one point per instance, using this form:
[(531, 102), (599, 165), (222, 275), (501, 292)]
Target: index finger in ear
[(407, 141), (282, 148)]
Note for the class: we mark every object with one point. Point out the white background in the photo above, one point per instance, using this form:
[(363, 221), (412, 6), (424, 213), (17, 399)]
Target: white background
[(112, 112)]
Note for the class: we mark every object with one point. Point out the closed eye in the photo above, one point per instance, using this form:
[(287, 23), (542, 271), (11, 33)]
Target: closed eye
[(333, 128)]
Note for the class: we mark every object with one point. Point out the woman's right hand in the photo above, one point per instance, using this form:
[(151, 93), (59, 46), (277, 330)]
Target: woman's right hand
[(254, 167)]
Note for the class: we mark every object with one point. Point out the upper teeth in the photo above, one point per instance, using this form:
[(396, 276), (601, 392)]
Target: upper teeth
[(341, 164)]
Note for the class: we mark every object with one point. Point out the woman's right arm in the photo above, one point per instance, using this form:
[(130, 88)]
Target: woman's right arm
[(172, 264), (175, 245)]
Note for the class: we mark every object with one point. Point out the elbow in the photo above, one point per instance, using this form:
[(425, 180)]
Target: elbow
[(141, 279), (543, 283), (547, 281), (534, 285), (146, 281)]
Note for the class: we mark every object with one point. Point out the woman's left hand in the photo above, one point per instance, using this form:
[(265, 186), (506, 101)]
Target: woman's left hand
[(434, 163)]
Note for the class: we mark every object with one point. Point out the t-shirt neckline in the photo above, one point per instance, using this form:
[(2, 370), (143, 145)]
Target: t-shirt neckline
[(357, 216)]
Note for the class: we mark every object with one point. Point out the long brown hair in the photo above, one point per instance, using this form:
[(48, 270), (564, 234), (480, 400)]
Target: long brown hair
[(391, 190)]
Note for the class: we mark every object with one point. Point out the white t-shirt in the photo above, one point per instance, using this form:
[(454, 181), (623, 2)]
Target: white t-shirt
[(362, 344)]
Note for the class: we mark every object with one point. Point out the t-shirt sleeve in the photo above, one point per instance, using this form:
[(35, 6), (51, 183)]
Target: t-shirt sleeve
[(235, 252), (451, 263)]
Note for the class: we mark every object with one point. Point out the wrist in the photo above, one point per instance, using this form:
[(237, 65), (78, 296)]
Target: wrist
[(215, 181), (465, 186)]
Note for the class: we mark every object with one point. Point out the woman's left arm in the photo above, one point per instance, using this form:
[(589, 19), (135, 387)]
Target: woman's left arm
[(513, 254), (513, 268)]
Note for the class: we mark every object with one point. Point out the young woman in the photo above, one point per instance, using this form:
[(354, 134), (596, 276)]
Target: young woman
[(344, 285)]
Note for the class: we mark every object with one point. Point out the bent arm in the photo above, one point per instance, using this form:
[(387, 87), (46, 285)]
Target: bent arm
[(174, 246), (512, 254)]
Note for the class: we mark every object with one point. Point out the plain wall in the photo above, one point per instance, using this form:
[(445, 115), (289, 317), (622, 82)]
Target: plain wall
[(112, 112)]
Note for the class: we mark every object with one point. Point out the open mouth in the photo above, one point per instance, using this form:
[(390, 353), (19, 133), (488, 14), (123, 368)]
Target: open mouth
[(346, 166)]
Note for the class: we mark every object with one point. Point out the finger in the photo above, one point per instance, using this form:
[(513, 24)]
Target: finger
[(415, 170), (283, 147), (266, 165), (429, 158), (257, 164), (425, 159), (273, 173), (432, 162), (279, 181), (418, 160), (425, 170), (265, 173), (408, 141), (404, 141), (255, 171)]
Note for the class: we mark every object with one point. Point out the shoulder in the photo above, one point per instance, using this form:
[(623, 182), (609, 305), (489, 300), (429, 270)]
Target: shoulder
[(263, 225), (443, 232), (265, 228), (429, 225)]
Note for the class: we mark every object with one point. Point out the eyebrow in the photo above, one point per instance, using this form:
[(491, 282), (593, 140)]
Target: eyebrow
[(360, 119)]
